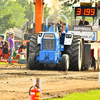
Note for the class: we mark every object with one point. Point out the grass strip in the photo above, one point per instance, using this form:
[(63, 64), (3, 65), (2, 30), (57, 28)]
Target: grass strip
[(90, 95)]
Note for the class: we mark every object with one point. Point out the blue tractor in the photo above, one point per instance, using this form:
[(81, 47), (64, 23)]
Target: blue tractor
[(56, 48)]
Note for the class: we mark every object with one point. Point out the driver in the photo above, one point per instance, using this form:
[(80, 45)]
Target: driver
[(59, 24), (83, 22)]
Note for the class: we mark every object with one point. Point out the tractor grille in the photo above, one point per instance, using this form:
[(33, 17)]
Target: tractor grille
[(48, 44)]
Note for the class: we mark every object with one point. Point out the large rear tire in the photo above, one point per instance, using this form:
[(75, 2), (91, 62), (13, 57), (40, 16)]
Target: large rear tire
[(75, 52), (34, 48)]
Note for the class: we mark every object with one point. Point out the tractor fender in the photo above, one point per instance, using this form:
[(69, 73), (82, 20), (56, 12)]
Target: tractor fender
[(68, 39)]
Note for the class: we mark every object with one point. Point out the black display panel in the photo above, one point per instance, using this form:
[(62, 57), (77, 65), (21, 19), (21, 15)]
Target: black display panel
[(83, 11)]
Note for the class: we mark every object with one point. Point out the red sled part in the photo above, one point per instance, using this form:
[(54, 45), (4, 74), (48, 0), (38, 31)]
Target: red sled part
[(0, 52), (20, 50), (14, 61), (5, 56), (3, 60)]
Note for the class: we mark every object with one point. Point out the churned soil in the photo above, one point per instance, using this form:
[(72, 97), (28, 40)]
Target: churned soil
[(15, 81)]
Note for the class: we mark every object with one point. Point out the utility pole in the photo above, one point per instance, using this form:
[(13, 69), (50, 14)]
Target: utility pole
[(30, 15), (99, 9)]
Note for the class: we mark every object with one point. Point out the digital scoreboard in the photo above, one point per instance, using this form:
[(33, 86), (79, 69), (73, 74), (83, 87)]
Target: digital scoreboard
[(86, 11)]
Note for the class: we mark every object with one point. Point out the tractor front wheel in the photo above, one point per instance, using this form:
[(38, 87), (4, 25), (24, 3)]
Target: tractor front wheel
[(65, 62), (31, 61)]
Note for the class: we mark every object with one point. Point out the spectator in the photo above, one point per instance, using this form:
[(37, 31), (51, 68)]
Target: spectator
[(5, 48), (7, 35), (22, 50), (83, 22), (11, 46), (1, 42), (0, 47), (59, 26)]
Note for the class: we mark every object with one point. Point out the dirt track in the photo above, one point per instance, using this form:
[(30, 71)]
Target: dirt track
[(15, 82)]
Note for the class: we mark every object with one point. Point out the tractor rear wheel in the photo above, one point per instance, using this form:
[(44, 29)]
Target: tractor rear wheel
[(75, 52), (34, 48), (65, 62)]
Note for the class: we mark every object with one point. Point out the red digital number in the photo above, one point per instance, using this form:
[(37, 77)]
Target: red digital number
[(78, 11), (87, 11), (92, 11)]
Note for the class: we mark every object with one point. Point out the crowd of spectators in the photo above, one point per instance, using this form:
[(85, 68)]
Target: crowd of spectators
[(3, 47), (9, 46)]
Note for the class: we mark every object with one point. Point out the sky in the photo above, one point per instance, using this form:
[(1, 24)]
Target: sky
[(47, 1)]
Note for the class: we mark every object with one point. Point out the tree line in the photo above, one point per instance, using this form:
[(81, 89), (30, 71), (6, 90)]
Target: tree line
[(14, 13)]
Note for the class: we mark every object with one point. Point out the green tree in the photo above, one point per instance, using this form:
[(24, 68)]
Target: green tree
[(6, 23), (11, 15), (5, 17), (68, 12), (46, 11), (18, 13), (69, 3), (29, 8)]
